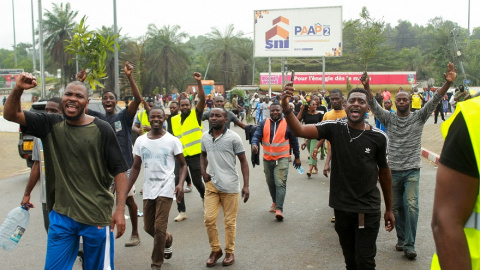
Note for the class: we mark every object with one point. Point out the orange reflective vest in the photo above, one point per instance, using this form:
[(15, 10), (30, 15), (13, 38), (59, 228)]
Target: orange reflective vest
[(280, 147)]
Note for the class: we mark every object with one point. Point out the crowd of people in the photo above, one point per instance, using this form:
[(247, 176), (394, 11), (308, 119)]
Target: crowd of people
[(78, 189)]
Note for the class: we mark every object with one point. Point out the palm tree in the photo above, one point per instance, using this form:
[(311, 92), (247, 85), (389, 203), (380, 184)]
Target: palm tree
[(167, 56), (58, 26), (223, 53)]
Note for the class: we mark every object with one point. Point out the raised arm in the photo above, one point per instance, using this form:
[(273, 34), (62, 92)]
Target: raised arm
[(377, 110), (201, 93), (304, 131), (450, 77), (133, 106), (12, 109)]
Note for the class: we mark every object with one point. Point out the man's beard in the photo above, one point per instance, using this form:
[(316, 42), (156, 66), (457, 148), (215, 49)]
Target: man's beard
[(217, 127), (74, 118)]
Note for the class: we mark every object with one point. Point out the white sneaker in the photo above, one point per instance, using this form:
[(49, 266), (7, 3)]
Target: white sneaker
[(181, 216)]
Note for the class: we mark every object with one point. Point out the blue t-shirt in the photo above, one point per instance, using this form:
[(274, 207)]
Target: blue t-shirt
[(122, 126)]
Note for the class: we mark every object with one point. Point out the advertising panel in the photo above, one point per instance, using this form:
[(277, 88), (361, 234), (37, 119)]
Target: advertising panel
[(302, 32), (404, 77)]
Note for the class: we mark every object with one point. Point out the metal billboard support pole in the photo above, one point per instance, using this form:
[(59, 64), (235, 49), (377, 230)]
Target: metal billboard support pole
[(269, 77), (33, 40), (14, 39), (323, 70)]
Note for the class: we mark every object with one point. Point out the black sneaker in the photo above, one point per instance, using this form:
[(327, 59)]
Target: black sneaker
[(398, 247), (410, 253)]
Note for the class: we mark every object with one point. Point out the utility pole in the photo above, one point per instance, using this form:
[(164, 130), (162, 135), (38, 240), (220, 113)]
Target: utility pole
[(42, 59), (115, 62), (14, 39), (33, 40)]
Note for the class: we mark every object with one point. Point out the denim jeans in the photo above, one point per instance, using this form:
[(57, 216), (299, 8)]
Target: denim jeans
[(405, 205), (358, 244), (276, 172)]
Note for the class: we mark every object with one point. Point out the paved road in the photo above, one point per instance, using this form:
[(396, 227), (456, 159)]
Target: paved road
[(304, 240)]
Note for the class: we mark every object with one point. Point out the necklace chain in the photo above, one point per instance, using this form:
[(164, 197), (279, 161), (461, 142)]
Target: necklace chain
[(351, 139)]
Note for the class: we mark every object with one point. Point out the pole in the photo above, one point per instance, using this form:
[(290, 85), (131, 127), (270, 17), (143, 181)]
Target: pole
[(206, 72), (283, 72), (323, 70), (117, 71), (253, 70), (33, 40), (42, 60), (14, 39), (468, 38), (269, 77)]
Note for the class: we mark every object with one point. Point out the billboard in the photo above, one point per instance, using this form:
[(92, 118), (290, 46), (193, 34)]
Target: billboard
[(302, 32), (403, 77)]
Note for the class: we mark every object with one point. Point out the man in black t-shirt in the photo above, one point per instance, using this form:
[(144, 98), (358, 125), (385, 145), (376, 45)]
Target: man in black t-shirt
[(81, 156), (122, 123), (359, 159)]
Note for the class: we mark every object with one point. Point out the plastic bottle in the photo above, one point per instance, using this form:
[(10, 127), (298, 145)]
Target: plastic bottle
[(13, 227), (300, 170)]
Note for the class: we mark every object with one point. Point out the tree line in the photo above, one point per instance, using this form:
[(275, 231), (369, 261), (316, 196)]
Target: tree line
[(165, 56)]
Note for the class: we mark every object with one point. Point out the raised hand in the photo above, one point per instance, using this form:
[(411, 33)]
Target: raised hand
[(82, 74), (287, 94), (365, 79), (197, 76), (128, 69), (451, 75), (26, 81)]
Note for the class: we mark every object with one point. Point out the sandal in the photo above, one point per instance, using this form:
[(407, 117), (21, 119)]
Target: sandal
[(309, 174), (187, 189), (315, 171), (167, 253)]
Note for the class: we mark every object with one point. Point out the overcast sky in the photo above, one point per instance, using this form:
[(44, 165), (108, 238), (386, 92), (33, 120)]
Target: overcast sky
[(198, 17)]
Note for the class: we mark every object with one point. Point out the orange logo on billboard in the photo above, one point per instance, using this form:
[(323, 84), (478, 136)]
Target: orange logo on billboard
[(279, 31)]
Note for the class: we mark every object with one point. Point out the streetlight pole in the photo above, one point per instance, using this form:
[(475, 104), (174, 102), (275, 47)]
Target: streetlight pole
[(42, 60), (115, 60), (14, 39), (33, 40)]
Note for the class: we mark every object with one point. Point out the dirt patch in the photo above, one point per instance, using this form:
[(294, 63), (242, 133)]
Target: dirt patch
[(11, 163)]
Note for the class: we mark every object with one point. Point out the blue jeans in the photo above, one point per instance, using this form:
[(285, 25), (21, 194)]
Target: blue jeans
[(276, 173), (405, 206)]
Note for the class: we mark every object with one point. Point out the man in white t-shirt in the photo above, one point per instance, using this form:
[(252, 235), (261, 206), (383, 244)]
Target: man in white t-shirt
[(157, 150)]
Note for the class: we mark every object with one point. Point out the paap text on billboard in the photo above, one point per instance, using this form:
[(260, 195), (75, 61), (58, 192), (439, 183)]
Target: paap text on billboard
[(302, 32)]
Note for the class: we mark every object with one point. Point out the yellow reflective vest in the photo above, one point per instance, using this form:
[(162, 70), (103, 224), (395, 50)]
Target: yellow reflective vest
[(189, 133), (143, 117), (471, 113)]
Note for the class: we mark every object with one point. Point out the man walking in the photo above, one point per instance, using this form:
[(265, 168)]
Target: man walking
[(121, 123), (404, 129), (276, 139), (157, 150), (187, 126), (82, 156), (359, 160), (220, 146)]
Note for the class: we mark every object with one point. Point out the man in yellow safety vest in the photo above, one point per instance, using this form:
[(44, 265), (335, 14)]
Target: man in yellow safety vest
[(456, 209)]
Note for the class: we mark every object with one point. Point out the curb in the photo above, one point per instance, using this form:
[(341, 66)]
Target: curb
[(433, 157)]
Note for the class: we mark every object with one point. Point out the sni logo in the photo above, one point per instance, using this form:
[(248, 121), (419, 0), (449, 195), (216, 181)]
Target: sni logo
[(282, 36)]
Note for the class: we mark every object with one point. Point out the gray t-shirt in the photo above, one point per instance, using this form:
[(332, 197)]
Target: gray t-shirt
[(404, 133), (231, 117), (221, 154), (37, 155), (266, 110)]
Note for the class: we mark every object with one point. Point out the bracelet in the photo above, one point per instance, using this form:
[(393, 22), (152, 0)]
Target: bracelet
[(287, 112)]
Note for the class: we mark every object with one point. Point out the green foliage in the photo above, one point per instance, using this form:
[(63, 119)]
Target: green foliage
[(90, 48), (368, 36), (349, 85), (239, 92)]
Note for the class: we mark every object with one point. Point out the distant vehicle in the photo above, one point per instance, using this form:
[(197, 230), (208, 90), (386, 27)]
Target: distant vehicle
[(25, 142)]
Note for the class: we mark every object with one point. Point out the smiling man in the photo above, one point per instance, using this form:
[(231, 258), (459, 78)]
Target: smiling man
[(359, 159), (404, 129), (121, 123), (81, 156)]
